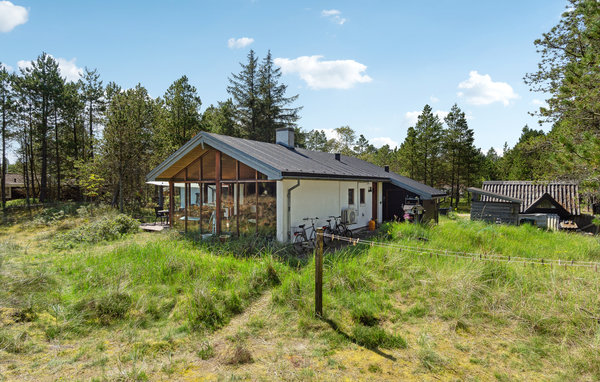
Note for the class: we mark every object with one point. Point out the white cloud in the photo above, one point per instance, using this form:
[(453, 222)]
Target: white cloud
[(68, 69), (241, 42), (331, 134), (336, 74), (7, 67), (481, 90), (23, 64), (538, 102), (381, 141), (434, 99), (412, 117), (11, 15), (441, 114), (334, 15)]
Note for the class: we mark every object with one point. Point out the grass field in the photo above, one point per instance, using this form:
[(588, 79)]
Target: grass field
[(87, 297)]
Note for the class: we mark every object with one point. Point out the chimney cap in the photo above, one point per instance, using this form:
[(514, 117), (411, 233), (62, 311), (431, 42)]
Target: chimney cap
[(285, 136), (386, 168), (338, 156)]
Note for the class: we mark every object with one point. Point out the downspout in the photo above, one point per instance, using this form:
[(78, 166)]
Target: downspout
[(289, 208)]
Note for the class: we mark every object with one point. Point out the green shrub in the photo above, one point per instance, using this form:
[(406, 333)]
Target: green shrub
[(373, 337), (106, 228), (105, 309), (21, 202)]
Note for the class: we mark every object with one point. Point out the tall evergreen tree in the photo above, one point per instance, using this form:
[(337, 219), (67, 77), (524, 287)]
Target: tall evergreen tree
[(316, 140), (275, 110), (182, 112), (44, 85), (7, 108), (244, 88), (460, 151), (429, 132), (131, 118), (92, 93)]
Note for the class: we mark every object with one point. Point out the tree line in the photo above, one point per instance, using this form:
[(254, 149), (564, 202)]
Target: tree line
[(85, 139)]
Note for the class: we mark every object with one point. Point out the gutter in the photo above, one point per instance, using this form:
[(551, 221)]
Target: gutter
[(289, 208)]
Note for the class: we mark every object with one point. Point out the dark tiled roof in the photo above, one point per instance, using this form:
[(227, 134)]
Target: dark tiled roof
[(565, 194), (14, 179), (284, 162)]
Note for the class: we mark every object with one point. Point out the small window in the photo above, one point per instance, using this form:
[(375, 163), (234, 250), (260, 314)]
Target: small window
[(362, 196), (350, 196)]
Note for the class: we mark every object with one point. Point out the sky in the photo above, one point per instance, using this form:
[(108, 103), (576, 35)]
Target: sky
[(371, 65)]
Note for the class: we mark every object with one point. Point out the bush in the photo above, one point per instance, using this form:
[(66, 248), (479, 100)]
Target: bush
[(21, 202), (106, 309), (106, 228), (373, 337)]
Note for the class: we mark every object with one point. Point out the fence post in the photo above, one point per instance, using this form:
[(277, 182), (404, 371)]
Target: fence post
[(319, 274)]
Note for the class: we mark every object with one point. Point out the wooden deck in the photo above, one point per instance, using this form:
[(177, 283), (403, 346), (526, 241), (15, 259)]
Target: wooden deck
[(153, 227)]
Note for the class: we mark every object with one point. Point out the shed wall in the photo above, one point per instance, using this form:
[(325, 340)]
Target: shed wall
[(494, 212)]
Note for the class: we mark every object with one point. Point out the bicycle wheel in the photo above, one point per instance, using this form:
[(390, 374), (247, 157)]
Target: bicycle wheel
[(327, 238), (347, 233), (299, 246)]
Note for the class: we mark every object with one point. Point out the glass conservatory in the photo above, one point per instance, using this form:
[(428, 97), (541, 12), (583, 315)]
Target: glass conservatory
[(218, 195)]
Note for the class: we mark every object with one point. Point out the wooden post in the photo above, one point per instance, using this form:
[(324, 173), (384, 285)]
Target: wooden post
[(171, 202), (319, 274), (218, 191)]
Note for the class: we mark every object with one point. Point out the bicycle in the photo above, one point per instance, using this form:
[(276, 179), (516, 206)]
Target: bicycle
[(304, 242), (339, 228)]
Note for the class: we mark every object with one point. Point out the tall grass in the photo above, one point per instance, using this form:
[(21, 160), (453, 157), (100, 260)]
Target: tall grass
[(551, 311), (479, 237)]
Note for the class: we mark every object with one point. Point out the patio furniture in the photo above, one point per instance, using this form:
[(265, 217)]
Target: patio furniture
[(163, 215)]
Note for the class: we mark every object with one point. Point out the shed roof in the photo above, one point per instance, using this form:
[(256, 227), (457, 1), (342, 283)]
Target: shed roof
[(566, 194), (14, 180), (278, 162), (492, 196)]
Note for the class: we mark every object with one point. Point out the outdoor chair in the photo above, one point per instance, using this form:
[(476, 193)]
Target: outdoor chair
[(160, 214)]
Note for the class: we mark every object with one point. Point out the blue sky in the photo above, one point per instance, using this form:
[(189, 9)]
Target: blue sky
[(371, 65)]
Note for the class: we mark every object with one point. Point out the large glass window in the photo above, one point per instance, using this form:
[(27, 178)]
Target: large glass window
[(209, 198), (194, 208), (227, 167), (193, 171), (208, 165), (179, 205), (246, 172), (247, 204), (267, 209), (228, 210)]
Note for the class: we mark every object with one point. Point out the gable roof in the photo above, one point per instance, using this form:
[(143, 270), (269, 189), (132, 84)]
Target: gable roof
[(278, 162), (492, 196), (14, 180), (564, 194)]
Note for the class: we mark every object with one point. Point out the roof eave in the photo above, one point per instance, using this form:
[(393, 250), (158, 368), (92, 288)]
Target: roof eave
[(205, 138)]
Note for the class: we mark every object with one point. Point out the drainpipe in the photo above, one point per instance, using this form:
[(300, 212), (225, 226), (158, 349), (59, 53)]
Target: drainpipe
[(289, 208)]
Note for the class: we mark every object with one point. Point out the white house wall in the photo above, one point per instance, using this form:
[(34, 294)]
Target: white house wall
[(321, 198)]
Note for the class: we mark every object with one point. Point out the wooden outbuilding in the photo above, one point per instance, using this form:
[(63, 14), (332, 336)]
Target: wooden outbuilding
[(494, 208)]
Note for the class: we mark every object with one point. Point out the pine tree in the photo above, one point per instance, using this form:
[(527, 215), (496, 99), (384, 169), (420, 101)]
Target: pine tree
[(92, 92), (43, 84), (260, 100), (274, 105), (244, 88), (316, 140), (429, 132), (182, 112), (7, 108)]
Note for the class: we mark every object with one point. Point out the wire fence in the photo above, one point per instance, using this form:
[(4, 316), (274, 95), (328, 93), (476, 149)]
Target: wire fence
[(466, 255)]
